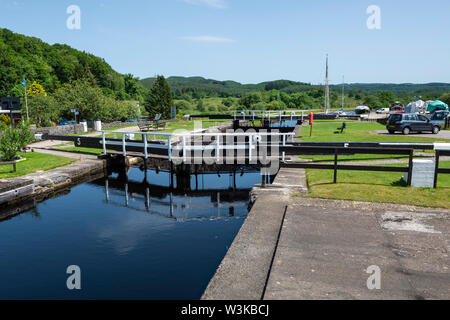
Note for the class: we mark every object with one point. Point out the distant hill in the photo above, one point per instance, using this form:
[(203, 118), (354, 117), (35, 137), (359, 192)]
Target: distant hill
[(396, 88), (226, 88)]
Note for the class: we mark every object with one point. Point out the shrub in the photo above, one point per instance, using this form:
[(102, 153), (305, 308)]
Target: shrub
[(4, 119), (12, 140)]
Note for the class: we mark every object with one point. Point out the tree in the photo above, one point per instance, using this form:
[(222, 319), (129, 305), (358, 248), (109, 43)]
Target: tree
[(445, 98), (386, 98), (43, 109), (159, 99), (36, 89), (250, 99), (372, 101)]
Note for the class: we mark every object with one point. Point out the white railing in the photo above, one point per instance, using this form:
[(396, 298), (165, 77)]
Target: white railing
[(268, 114), (189, 141)]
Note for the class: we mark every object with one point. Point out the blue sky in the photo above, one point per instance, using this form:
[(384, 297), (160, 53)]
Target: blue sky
[(250, 40)]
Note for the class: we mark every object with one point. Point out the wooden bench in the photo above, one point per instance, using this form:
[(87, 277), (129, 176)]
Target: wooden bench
[(8, 163), (146, 127)]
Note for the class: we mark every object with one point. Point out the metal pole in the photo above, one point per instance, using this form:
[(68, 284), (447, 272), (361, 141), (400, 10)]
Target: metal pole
[(335, 165), (410, 167), (169, 150), (124, 148), (104, 143), (26, 101), (218, 148), (250, 148), (436, 169), (145, 146), (184, 148)]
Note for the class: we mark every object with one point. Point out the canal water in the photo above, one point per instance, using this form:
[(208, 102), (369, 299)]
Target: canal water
[(131, 235)]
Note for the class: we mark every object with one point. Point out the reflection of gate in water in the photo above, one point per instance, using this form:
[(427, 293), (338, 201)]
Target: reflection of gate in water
[(175, 203)]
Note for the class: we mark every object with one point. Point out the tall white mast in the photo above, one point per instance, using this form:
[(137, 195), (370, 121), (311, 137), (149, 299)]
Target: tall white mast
[(343, 91), (327, 91)]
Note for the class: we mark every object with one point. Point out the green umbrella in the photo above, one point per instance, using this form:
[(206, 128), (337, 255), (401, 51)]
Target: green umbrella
[(437, 105)]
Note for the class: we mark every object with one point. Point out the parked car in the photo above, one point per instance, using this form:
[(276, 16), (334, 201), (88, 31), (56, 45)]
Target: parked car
[(411, 122), (383, 110)]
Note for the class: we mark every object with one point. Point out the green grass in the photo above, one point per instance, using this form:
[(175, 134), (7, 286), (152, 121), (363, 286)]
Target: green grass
[(377, 187), (35, 162), (170, 128), (356, 131), (95, 152)]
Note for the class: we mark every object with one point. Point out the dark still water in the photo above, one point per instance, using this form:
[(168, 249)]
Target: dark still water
[(131, 240)]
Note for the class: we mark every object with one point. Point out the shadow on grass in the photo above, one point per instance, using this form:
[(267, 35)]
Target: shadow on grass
[(364, 159), (352, 183), (399, 183)]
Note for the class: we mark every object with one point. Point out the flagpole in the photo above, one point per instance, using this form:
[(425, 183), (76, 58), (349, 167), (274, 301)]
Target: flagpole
[(26, 98)]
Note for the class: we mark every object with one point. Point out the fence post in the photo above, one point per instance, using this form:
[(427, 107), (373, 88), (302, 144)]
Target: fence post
[(335, 165), (169, 148), (218, 148), (184, 149), (250, 148), (104, 143), (124, 148), (145, 146), (436, 169), (410, 167)]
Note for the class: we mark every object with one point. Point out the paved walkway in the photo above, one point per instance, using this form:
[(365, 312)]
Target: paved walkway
[(295, 247), (443, 134), (326, 246)]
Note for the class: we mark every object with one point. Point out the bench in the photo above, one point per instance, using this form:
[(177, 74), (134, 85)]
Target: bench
[(8, 163), (152, 126), (155, 124), (146, 127), (341, 128)]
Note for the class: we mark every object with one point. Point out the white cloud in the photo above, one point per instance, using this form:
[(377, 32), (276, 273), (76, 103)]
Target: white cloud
[(218, 4), (210, 39)]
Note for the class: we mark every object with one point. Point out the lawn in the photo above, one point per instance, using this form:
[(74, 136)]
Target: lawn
[(171, 127), (356, 131), (377, 187), (35, 161)]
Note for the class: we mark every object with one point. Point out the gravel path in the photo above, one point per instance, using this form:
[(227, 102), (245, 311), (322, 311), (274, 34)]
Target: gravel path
[(443, 134)]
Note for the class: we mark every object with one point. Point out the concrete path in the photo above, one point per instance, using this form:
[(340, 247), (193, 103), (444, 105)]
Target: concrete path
[(295, 247), (443, 134), (73, 155), (326, 246)]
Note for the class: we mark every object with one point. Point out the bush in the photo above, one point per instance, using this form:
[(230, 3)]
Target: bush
[(12, 140), (4, 119)]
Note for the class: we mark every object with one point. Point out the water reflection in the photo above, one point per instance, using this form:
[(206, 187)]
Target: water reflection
[(227, 194), (132, 235)]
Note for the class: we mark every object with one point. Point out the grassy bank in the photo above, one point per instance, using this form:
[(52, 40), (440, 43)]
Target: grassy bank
[(377, 187), (356, 131), (35, 162)]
